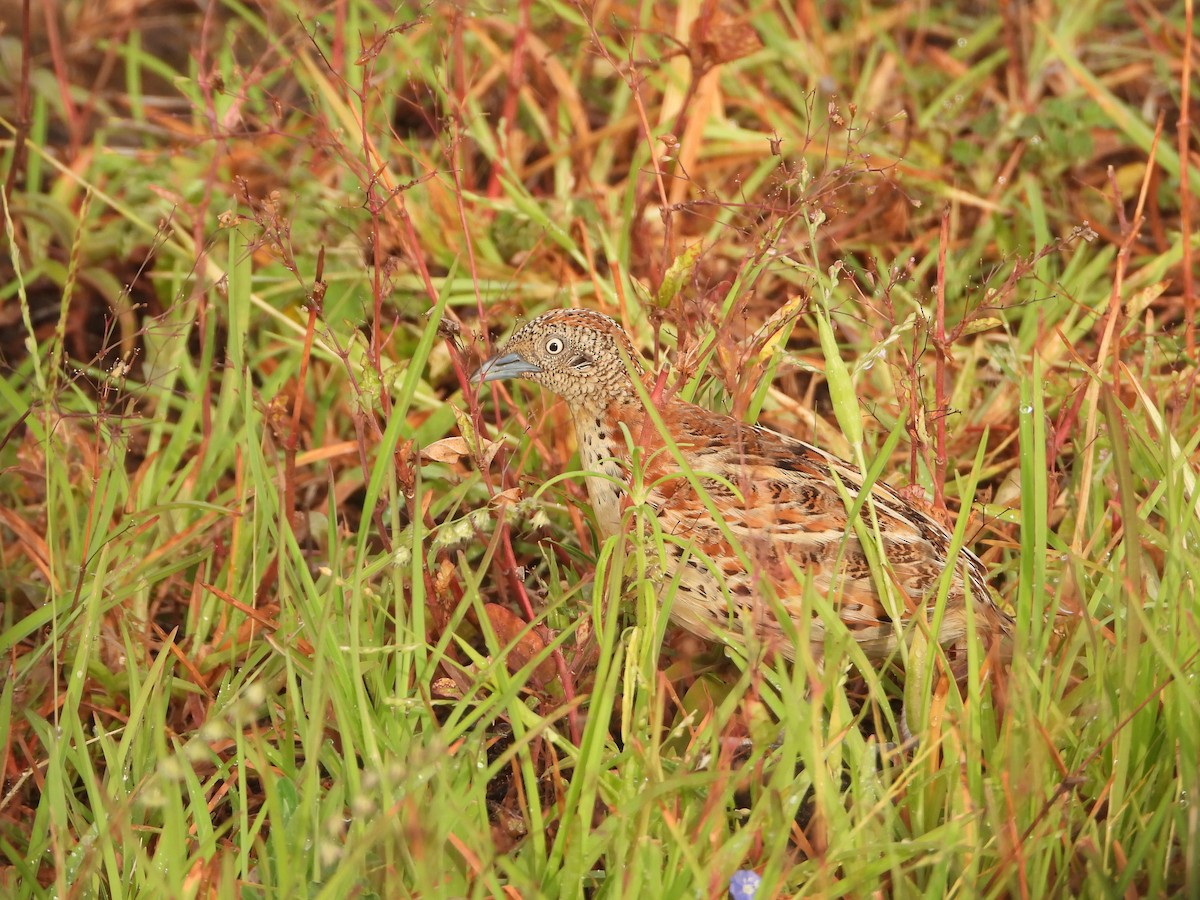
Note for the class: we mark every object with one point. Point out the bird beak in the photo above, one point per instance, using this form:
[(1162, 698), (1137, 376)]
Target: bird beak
[(507, 365)]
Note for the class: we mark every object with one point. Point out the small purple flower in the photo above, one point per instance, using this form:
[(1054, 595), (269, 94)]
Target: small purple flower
[(744, 884)]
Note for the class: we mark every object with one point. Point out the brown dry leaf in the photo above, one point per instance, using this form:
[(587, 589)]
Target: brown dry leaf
[(481, 448), (718, 37), (508, 625), (512, 495), (452, 449), (447, 450), (444, 577)]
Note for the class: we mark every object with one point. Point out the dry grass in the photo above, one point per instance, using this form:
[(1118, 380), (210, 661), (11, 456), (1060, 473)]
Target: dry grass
[(287, 608)]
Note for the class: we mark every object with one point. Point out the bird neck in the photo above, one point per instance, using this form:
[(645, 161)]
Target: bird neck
[(604, 454)]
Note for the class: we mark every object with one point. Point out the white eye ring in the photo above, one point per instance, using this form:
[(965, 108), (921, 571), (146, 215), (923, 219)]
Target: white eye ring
[(555, 346)]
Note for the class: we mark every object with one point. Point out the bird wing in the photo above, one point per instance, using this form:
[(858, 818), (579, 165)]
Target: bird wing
[(776, 496)]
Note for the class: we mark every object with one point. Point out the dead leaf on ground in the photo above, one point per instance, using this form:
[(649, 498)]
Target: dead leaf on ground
[(508, 625)]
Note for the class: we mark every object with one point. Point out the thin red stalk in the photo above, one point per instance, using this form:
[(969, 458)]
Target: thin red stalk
[(337, 52), (633, 80), (24, 104), (1183, 131), (941, 408), (315, 302), (464, 223), (62, 74), (372, 166), (199, 240), (508, 112), (916, 447)]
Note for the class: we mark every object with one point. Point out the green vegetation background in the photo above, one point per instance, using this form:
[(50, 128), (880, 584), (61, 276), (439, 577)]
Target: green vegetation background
[(266, 562)]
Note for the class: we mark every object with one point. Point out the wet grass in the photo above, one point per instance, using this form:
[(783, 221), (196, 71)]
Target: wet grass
[(288, 609)]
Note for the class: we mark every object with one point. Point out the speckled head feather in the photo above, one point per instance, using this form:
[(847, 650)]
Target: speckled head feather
[(576, 353)]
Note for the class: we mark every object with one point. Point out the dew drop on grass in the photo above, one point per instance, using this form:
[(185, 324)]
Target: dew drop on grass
[(1026, 409), (962, 42)]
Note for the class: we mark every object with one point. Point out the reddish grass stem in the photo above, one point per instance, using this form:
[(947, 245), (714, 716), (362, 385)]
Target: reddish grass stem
[(1183, 131), (941, 409)]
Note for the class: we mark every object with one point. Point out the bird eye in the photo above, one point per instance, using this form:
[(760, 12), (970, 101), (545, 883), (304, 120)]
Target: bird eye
[(555, 346)]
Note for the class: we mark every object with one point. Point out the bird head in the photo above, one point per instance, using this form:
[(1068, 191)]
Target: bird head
[(585, 357)]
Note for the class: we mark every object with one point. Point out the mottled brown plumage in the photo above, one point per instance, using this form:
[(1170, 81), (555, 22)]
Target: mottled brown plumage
[(770, 509)]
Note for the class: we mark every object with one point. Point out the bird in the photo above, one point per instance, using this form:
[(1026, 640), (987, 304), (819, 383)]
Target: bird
[(746, 511)]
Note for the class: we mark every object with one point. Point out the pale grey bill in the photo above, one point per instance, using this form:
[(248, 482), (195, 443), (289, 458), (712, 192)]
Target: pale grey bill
[(508, 365)]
